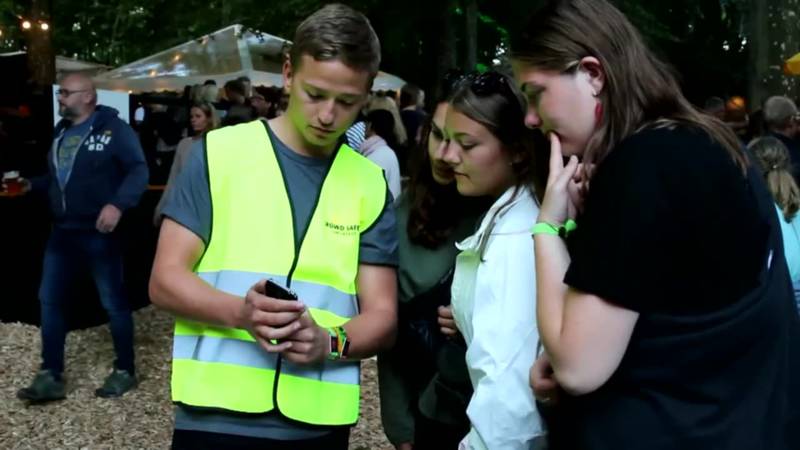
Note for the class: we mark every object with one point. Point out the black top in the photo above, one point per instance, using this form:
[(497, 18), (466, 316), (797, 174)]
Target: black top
[(673, 230), (412, 119)]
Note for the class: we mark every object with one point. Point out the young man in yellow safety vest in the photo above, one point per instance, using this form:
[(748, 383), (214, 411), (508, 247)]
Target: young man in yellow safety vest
[(284, 200)]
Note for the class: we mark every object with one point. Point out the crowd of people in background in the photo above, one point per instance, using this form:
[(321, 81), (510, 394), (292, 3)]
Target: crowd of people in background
[(166, 121), (772, 134), (571, 256)]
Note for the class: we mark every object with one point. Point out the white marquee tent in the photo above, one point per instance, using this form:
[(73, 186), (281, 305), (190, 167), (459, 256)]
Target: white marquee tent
[(220, 56), (65, 65)]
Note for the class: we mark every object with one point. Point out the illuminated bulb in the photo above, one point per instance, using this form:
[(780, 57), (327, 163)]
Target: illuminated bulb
[(26, 25), (44, 26)]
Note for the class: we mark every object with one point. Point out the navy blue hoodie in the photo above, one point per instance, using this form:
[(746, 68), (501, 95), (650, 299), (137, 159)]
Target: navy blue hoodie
[(109, 168)]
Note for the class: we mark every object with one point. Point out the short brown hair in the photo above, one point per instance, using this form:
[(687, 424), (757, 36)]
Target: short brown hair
[(338, 32), (409, 95)]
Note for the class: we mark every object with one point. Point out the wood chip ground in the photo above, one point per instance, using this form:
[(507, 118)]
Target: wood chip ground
[(142, 419)]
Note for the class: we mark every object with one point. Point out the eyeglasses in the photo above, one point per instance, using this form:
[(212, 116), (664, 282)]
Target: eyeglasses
[(492, 83), (67, 92), (450, 81), (512, 109), (482, 84)]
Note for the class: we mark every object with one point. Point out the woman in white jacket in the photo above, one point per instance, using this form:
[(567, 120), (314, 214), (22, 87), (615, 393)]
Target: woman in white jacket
[(491, 154)]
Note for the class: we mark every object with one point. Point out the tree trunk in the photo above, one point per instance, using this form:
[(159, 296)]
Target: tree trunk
[(471, 32), (113, 54), (226, 13), (447, 42), (758, 48), (41, 59), (773, 35)]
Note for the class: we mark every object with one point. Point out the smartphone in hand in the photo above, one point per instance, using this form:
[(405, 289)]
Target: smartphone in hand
[(275, 290)]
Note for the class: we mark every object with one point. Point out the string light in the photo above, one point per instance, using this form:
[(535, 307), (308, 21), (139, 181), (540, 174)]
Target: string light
[(27, 24)]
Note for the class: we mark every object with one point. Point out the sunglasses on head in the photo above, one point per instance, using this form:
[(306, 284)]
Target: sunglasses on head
[(492, 83), (489, 83), (481, 83), (485, 83)]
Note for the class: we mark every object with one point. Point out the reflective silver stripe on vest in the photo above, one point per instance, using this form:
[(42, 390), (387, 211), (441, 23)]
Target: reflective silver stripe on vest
[(250, 354), (311, 294)]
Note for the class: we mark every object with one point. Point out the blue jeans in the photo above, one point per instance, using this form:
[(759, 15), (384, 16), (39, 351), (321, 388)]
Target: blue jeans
[(69, 252)]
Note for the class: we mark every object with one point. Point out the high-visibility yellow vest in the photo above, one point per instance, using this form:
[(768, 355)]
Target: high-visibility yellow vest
[(252, 237)]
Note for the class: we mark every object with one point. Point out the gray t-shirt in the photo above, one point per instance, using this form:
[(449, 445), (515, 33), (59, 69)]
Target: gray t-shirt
[(188, 202), (68, 148)]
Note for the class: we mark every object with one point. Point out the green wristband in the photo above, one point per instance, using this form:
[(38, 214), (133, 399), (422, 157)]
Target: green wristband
[(544, 228), (570, 226), (563, 231)]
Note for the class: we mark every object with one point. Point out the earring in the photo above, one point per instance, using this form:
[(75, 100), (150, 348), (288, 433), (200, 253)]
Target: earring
[(598, 112)]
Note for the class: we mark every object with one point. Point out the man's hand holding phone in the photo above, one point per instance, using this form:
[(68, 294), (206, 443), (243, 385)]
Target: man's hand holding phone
[(270, 320), (280, 323)]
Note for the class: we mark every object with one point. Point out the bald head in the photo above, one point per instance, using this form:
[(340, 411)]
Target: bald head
[(80, 81), (77, 97), (779, 115)]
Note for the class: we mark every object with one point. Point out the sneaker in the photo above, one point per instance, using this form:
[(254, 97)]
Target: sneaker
[(45, 388), (116, 384)]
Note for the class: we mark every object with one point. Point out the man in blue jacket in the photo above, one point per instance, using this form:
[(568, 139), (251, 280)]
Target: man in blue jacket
[(97, 170)]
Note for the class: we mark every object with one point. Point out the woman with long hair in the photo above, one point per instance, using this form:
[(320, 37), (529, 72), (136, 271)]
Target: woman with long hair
[(424, 385), (776, 165), (491, 154), (202, 118), (662, 297)]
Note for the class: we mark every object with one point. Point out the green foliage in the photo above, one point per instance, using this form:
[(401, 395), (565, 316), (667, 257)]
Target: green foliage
[(9, 24), (123, 31), (690, 34), (702, 39)]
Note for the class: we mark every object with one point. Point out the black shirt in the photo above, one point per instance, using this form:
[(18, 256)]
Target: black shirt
[(412, 119), (674, 230)]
